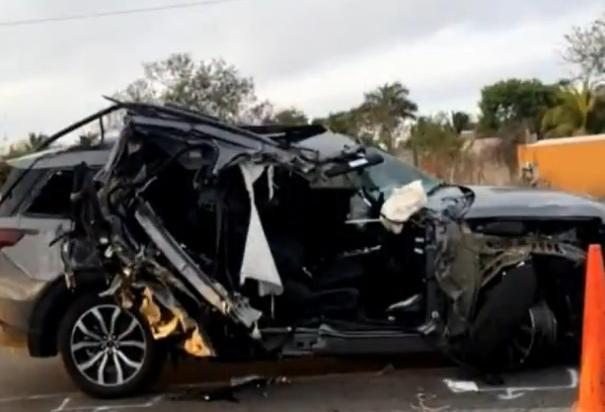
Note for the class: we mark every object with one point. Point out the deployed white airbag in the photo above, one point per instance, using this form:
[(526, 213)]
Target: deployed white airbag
[(403, 203), (258, 262)]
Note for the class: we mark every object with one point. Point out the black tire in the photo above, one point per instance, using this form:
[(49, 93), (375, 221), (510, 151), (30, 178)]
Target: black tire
[(126, 363), (502, 313)]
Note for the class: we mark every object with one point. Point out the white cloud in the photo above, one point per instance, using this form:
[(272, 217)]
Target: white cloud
[(444, 71), (320, 55)]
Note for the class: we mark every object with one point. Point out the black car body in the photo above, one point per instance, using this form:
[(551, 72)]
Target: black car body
[(254, 242)]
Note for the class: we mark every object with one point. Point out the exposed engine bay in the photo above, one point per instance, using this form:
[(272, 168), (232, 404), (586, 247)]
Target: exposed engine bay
[(238, 243)]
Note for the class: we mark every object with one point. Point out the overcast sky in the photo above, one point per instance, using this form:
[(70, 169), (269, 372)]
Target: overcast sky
[(319, 55)]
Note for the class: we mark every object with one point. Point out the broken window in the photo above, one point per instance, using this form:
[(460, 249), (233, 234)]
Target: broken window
[(20, 193), (53, 198)]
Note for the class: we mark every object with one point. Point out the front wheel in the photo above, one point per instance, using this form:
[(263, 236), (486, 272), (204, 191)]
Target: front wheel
[(535, 338), (108, 351), (504, 309)]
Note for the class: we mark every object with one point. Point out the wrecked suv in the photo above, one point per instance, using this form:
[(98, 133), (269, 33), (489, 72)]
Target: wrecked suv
[(189, 235)]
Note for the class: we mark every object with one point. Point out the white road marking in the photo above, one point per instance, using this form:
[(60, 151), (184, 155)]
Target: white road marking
[(62, 406), (33, 397), (68, 398), (110, 408), (421, 405), (461, 386), (510, 392)]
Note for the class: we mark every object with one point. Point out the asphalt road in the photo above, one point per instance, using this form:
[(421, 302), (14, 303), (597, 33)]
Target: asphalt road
[(414, 384)]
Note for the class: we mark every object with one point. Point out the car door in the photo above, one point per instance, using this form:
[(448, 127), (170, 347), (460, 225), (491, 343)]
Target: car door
[(42, 217)]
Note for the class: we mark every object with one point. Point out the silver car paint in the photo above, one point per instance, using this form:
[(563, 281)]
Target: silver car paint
[(27, 267)]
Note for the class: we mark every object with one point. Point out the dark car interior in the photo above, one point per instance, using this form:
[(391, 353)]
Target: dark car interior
[(330, 269)]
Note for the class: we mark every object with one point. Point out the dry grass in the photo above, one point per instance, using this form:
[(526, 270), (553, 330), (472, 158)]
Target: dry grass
[(488, 166), (469, 169)]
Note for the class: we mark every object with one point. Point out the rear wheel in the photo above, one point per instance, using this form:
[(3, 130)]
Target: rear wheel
[(108, 352)]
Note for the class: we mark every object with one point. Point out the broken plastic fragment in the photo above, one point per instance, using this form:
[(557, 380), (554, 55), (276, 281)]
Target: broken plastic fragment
[(461, 386), (229, 392), (163, 329), (160, 328), (196, 345), (149, 309), (165, 321)]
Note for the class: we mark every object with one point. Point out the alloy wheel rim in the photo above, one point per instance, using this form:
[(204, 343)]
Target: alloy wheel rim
[(108, 345)]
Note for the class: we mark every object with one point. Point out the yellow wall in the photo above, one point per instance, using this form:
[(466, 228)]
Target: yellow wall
[(577, 167)]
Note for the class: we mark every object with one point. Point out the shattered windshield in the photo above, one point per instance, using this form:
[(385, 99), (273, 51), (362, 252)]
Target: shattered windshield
[(393, 173)]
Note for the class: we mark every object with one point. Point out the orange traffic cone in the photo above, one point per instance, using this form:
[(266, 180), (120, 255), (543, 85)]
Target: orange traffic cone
[(592, 373)]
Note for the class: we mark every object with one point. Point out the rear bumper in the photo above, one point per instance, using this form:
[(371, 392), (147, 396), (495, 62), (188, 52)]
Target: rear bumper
[(14, 321), (18, 294), (14, 315)]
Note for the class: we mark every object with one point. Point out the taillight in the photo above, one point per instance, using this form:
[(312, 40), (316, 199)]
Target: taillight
[(9, 237)]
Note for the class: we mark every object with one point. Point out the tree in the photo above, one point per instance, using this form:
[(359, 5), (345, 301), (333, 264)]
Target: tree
[(576, 114), (34, 140), (347, 122), (384, 110), (88, 139), (515, 101), (597, 122), (19, 149), (435, 134), (289, 117), (585, 47), (434, 139), (213, 87), (461, 121)]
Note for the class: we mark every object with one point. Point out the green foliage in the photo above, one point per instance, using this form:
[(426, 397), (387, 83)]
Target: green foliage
[(579, 112), (351, 123), (461, 121), (26, 146), (289, 117), (378, 120), (34, 140), (515, 101), (435, 135), (88, 139), (585, 48), (213, 87), (597, 121), (383, 112), (347, 122), (22, 148)]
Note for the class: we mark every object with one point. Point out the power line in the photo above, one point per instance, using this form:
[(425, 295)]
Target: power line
[(94, 15)]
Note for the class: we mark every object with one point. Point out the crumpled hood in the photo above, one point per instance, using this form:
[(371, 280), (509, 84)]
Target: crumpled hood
[(493, 201)]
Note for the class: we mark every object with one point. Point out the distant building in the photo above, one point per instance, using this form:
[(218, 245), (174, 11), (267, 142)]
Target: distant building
[(573, 164)]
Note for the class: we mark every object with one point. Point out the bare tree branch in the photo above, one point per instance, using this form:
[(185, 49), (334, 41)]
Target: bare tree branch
[(586, 49)]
